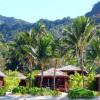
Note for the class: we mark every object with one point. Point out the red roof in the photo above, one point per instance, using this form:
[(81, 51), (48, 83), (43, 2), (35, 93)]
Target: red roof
[(50, 72), (69, 68), (21, 76), (2, 74), (98, 76)]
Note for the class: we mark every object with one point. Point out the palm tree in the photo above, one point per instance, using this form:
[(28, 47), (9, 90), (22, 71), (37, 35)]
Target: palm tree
[(25, 45), (56, 57), (43, 52), (4, 47), (34, 47), (93, 53), (79, 37)]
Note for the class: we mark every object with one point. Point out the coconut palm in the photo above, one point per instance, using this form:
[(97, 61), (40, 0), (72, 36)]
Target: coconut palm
[(43, 52), (79, 37), (35, 47), (55, 57), (93, 53), (3, 52)]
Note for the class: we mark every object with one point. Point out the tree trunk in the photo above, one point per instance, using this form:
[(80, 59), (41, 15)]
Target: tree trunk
[(54, 81), (31, 65), (30, 78), (41, 82), (82, 66), (77, 56)]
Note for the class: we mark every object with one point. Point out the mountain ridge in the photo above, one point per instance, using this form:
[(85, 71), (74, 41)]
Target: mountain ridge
[(95, 13), (10, 26)]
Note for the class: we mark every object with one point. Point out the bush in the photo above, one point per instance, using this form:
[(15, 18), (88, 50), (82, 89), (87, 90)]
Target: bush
[(35, 91), (2, 91), (80, 93), (20, 89), (16, 90), (11, 81), (96, 93), (93, 85), (90, 83), (24, 90), (31, 77), (50, 92), (76, 81)]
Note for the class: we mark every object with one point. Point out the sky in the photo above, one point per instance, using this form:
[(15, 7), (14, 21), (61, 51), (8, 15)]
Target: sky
[(33, 10)]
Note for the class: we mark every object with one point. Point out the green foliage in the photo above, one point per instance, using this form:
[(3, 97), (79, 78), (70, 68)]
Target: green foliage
[(75, 80), (14, 61), (20, 89), (93, 85), (44, 46), (10, 26), (93, 55), (2, 91), (33, 74), (11, 81), (96, 93), (80, 93), (90, 79), (35, 91), (79, 37)]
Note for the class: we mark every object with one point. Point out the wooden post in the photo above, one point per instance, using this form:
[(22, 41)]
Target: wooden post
[(99, 83), (48, 82), (65, 84)]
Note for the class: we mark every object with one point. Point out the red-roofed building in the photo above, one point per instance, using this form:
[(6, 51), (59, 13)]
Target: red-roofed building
[(70, 69), (23, 79), (61, 79)]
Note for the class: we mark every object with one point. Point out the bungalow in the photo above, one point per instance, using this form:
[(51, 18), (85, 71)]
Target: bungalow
[(61, 79), (97, 82), (70, 69), (23, 79), (2, 75)]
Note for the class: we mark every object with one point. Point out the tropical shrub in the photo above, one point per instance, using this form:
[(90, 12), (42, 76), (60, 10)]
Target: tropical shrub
[(96, 93), (35, 91), (93, 85), (32, 76), (16, 90), (21, 89), (75, 81), (80, 93), (2, 91), (90, 83), (11, 81)]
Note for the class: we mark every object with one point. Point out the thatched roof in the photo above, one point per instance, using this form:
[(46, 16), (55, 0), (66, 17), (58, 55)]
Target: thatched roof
[(50, 72), (2, 74), (69, 68), (21, 76), (97, 76)]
